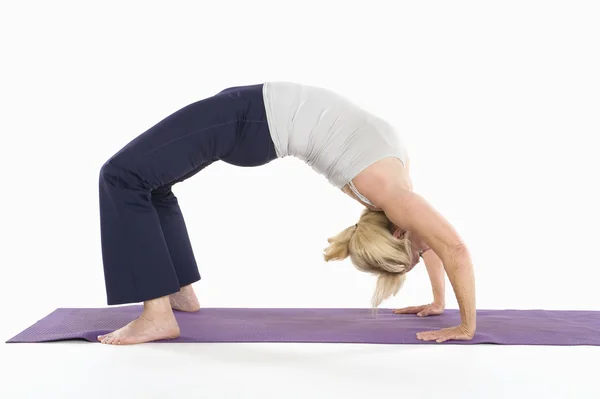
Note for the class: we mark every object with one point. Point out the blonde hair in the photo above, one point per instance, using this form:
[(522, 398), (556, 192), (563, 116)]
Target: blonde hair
[(373, 248)]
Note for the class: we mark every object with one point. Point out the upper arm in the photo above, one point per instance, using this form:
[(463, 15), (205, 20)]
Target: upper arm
[(389, 188), (412, 212)]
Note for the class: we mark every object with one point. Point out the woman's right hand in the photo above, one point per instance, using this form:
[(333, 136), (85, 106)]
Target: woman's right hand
[(433, 309)]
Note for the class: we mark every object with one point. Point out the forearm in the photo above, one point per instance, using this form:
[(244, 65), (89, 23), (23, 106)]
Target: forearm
[(459, 267), (437, 276)]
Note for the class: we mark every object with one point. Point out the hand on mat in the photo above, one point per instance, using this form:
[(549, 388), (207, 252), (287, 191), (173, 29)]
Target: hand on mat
[(460, 333), (433, 309)]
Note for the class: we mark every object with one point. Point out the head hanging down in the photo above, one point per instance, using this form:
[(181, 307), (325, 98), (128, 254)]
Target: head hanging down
[(376, 246)]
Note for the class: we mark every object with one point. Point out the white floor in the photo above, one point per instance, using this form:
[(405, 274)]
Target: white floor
[(84, 370)]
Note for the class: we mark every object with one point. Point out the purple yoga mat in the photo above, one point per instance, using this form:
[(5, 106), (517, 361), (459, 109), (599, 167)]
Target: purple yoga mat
[(508, 327)]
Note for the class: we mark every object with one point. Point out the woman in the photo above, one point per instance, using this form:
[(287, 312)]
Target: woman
[(146, 251)]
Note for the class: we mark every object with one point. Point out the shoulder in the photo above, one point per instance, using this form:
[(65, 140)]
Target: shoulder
[(383, 179)]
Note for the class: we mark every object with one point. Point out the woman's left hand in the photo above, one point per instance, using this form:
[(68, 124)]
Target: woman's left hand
[(460, 333), (433, 309)]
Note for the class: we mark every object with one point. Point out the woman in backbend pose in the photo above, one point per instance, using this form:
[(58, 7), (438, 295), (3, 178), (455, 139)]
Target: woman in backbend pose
[(146, 251)]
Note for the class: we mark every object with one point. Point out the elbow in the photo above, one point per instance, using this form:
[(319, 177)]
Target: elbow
[(458, 253)]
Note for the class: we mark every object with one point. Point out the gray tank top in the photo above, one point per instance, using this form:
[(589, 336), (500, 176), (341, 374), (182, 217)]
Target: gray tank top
[(328, 132)]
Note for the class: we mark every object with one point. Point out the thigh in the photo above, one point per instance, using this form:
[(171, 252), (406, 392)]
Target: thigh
[(181, 144)]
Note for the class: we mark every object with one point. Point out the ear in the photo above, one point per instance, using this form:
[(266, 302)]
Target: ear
[(398, 232)]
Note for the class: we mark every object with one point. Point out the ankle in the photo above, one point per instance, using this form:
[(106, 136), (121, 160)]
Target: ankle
[(157, 305), (186, 289)]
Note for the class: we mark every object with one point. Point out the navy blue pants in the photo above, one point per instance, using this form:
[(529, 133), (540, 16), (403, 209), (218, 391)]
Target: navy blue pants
[(146, 250)]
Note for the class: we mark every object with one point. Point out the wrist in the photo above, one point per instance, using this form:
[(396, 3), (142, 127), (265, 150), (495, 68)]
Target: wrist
[(469, 329), (439, 301), (469, 323)]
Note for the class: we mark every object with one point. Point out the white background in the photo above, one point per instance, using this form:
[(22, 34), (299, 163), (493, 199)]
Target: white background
[(498, 101)]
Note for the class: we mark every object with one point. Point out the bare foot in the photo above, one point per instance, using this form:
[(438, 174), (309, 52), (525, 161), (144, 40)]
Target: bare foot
[(156, 322), (185, 300)]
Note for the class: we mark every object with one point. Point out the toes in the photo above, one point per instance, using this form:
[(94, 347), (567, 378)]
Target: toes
[(108, 339), (112, 339), (105, 338)]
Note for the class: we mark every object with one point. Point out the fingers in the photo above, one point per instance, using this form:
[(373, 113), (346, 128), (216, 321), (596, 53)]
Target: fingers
[(445, 338), (421, 311), (443, 335), (436, 336), (428, 335), (430, 311), (410, 310)]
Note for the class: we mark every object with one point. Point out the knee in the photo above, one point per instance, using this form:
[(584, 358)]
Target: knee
[(116, 176), (163, 195), (109, 173)]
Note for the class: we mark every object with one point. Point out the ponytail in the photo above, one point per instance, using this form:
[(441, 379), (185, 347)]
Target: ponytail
[(339, 247)]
